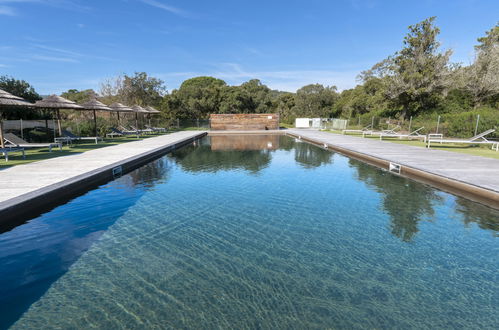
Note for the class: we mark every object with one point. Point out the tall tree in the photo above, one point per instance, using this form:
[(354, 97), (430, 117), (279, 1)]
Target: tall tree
[(481, 79), (315, 100), (80, 96), (19, 88), (138, 89), (418, 74), (22, 89)]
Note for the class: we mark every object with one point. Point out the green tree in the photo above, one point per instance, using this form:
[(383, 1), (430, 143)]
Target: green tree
[(197, 97), (315, 100), (138, 89), (416, 76), (80, 96), (22, 89), (19, 88), (481, 79)]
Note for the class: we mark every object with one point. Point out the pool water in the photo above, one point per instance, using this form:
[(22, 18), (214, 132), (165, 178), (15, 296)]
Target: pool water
[(254, 232)]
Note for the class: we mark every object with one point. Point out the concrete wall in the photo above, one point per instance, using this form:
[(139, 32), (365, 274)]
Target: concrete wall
[(239, 122)]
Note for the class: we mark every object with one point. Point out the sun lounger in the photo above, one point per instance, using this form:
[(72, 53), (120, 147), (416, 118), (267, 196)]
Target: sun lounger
[(365, 129), (385, 131), (71, 137), (5, 152), (116, 132), (477, 139), (146, 131), (413, 135), (157, 129), (15, 141), (128, 130)]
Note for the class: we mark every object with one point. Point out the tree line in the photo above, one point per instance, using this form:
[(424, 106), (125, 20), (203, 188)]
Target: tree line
[(417, 80)]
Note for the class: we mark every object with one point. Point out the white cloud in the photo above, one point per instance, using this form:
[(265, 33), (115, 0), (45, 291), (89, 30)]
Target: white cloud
[(58, 50), (8, 11), (63, 4), (54, 59), (168, 8)]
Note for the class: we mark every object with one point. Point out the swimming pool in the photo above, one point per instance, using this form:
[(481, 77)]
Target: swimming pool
[(254, 232)]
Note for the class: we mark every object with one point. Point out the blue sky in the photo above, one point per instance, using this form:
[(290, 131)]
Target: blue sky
[(61, 44)]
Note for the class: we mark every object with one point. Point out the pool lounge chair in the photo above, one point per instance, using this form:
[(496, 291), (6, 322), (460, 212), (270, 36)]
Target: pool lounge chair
[(71, 137), (116, 132), (385, 131), (365, 129), (15, 141), (157, 129), (5, 152), (146, 131), (128, 130), (477, 139), (413, 135)]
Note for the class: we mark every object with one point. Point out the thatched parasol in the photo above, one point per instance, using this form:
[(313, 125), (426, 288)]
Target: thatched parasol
[(8, 100), (118, 107), (138, 109), (95, 105), (152, 111), (54, 102)]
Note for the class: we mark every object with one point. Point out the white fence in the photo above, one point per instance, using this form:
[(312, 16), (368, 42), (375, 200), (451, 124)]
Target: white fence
[(22, 124)]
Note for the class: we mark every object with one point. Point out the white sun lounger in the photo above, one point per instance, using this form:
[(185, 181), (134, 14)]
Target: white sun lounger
[(477, 139), (5, 152), (385, 131), (413, 135), (16, 142), (367, 128)]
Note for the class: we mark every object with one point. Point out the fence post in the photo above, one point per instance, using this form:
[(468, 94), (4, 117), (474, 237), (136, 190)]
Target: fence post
[(53, 124), (22, 133), (410, 124), (476, 127), (372, 123), (198, 122), (178, 123), (438, 123)]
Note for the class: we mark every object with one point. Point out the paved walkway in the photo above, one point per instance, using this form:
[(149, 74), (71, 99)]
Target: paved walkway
[(20, 180), (474, 170)]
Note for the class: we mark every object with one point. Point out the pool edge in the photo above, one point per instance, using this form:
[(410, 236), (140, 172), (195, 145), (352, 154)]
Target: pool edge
[(44, 199), (475, 193)]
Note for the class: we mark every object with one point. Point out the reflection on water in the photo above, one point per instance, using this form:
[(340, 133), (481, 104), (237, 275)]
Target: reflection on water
[(407, 202), (293, 237), (244, 142), (34, 255), (484, 217), (201, 157)]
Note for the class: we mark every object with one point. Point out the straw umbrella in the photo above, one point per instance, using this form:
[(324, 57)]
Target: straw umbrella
[(56, 103), (8, 100), (152, 111), (138, 109), (95, 105), (118, 107)]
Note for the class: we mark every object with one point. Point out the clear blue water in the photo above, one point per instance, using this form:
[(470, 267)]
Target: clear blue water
[(254, 232)]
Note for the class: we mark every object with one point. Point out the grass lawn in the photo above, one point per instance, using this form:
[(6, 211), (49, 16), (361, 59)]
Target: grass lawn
[(484, 151), (34, 155)]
